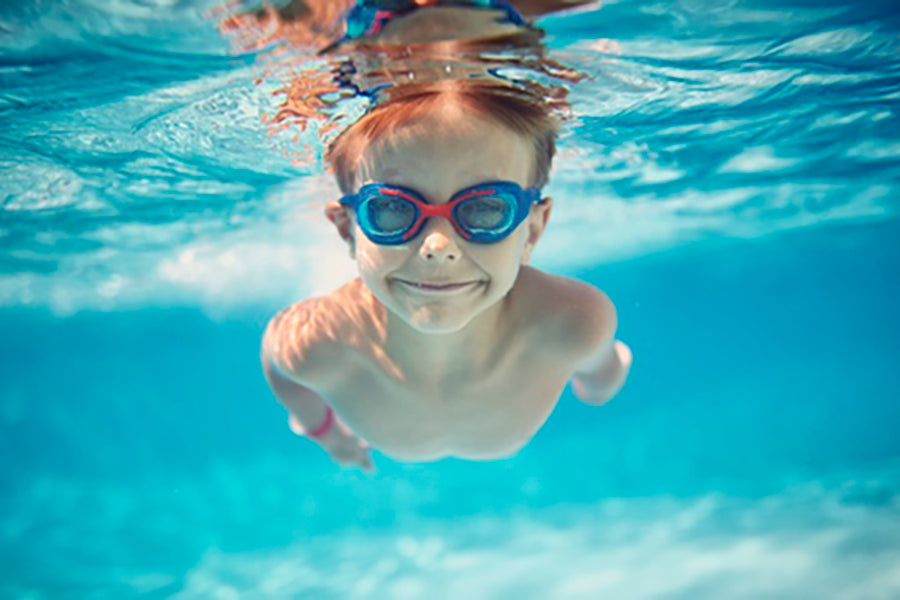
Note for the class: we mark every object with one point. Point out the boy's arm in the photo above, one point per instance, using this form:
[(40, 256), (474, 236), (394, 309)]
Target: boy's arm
[(306, 408), (286, 356), (604, 361)]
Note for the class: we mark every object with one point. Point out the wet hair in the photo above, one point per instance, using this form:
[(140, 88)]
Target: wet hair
[(517, 109)]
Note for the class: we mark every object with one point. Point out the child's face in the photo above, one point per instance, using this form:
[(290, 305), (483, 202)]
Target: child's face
[(438, 157)]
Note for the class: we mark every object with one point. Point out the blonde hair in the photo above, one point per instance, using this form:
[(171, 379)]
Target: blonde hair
[(514, 108)]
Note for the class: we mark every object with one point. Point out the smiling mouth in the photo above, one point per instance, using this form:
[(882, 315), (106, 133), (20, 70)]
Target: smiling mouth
[(438, 287)]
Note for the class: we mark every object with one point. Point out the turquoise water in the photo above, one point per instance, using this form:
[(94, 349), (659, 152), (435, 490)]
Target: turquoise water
[(729, 177)]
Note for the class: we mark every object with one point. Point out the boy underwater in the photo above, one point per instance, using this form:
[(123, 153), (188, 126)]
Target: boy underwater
[(448, 343)]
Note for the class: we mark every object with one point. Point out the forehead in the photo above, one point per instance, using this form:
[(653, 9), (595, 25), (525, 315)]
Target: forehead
[(444, 153)]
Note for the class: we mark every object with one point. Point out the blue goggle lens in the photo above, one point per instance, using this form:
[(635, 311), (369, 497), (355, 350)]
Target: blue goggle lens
[(389, 215), (486, 214)]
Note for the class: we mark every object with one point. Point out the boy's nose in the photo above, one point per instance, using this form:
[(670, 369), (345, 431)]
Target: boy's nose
[(438, 243)]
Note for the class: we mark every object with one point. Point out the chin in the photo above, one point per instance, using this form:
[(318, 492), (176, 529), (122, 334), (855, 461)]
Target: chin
[(438, 324)]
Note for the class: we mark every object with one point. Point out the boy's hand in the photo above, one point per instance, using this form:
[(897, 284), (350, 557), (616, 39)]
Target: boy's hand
[(605, 381), (346, 449)]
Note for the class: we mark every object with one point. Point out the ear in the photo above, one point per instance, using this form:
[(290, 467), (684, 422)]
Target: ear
[(343, 221), (537, 222)]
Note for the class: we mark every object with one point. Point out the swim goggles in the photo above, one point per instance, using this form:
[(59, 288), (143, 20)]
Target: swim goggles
[(484, 213)]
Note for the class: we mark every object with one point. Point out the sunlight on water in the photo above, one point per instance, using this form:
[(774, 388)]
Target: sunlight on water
[(834, 539), (804, 543), (736, 122)]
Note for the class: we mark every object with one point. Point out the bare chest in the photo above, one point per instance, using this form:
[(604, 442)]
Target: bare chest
[(485, 417)]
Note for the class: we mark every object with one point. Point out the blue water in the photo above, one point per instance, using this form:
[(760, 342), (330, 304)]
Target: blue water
[(729, 177)]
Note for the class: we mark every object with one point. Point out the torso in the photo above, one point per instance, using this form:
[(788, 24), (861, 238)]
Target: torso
[(484, 417)]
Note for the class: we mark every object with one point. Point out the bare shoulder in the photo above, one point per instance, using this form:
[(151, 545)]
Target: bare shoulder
[(294, 342), (306, 339), (568, 314)]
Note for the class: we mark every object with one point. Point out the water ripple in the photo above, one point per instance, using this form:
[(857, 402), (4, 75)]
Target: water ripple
[(740, 118)]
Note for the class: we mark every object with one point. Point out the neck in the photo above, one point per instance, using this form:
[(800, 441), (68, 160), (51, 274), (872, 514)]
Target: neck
[(438, 357)]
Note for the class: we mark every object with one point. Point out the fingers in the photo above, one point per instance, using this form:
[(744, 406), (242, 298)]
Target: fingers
[(363, 462), (364, 458), (366, 463), (353, 452)]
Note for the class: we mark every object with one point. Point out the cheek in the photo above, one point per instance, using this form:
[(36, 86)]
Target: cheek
[(501, 261), (376, 260)]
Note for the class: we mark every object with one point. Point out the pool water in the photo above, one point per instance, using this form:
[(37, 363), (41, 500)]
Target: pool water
[(729, 176)]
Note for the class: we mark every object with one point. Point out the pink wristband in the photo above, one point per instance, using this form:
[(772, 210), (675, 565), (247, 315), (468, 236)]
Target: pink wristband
[(322, 429)]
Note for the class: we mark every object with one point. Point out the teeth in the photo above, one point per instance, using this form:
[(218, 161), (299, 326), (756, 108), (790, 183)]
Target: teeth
[(425, 286), (436, 286)]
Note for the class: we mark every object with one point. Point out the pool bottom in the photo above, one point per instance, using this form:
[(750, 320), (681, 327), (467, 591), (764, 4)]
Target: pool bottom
[(835, 537)]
